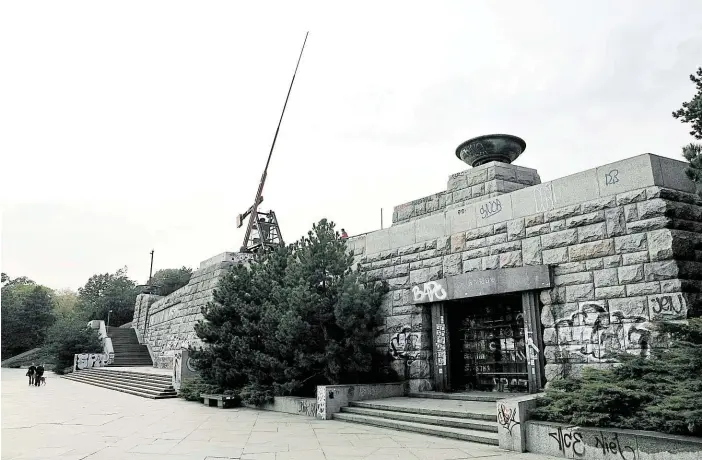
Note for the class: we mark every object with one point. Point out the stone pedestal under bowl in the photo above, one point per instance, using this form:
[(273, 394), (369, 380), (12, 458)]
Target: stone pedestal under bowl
[(504, 148)]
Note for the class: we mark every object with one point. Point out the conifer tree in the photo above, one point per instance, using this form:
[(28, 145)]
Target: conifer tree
[(290, 320), (691, 112)]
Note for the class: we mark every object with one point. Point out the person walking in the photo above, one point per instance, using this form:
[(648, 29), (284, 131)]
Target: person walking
[(30, 373), (39, 374)]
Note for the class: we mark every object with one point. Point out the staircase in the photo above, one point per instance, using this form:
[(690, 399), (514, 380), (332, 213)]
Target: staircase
[(468, 417), (128, 351), (146, 385)]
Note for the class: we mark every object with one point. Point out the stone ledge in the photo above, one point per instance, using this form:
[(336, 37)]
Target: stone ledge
[(567, 441)]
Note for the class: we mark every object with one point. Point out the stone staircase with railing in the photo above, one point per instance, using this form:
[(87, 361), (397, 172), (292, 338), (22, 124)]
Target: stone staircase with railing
[(464, 416), (128, 351)]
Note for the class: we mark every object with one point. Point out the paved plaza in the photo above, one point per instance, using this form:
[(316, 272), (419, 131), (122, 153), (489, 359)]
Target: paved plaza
[(72, 421)]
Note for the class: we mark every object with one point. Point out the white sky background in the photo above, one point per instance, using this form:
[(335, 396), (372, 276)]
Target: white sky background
[(127, 126)]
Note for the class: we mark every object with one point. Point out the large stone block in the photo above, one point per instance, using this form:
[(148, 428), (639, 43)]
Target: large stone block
[(673, 174), (377, 241), (648, 224), (431, 227), (656, 271), (573, 278), (616, 221), (578, 292), (591, 250), (652, 208), (630, 243), (628, 310), (576, 188), (559, 239), (630, 274), (626, 175), (592, 232), (511, 259), (401, 235), (531, 251), (606, 277), (555, 256), (515, 229), (532, 200), (452, 265)]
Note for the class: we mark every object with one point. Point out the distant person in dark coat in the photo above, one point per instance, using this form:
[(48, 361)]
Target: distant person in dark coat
[(31, 372), (40, 373)]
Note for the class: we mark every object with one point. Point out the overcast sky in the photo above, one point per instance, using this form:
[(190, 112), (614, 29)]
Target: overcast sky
[(130, 126)]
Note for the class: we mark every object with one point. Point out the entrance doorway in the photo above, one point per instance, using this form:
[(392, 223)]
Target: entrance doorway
[(487, 345)]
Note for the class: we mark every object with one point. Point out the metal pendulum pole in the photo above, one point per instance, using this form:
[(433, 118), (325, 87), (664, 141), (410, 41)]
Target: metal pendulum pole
[(151, 269)]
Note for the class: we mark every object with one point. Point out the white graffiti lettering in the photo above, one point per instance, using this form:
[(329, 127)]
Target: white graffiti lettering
[(432, 291)]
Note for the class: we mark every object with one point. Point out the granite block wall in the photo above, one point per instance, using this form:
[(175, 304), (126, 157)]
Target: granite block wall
[(166, 324), (624, 242)]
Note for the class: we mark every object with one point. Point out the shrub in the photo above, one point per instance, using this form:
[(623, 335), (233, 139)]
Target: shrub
[(656, 393), (67, 337)]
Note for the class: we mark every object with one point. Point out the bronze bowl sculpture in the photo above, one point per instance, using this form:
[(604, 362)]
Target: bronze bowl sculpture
[(504, 148)]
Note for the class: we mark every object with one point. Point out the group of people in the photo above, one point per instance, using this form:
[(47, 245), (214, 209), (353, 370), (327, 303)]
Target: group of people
[(35, 374)]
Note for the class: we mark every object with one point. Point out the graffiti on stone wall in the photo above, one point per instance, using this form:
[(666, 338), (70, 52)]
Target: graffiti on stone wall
[(597, 332), (490, 208), (429, 292), (307, 407), (405, 345), (87, 361), (611, 177), (606, 445), (507, 417), (543, 198), (570, 443)]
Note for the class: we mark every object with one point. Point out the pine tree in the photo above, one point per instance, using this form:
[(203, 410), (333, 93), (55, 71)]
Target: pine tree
[(691, 112), (291, 320)]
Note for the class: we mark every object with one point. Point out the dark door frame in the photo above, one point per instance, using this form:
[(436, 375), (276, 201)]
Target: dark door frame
[(532, 334)]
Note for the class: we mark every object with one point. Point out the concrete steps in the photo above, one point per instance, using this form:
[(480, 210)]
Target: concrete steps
[(472, 396), (128, 351), (153, 386), (467, 420)]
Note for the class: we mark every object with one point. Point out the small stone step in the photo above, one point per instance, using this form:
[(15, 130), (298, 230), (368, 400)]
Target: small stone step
[(443, 431), (468, 396), (455, 422), (379, 405)]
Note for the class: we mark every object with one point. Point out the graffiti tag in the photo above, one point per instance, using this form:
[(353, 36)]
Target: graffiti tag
[(308, 408), (667, 304), (490, 208), (543, 196), (432, 291), (507, 418), (569, 442), (613, 446), (611, 177)]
